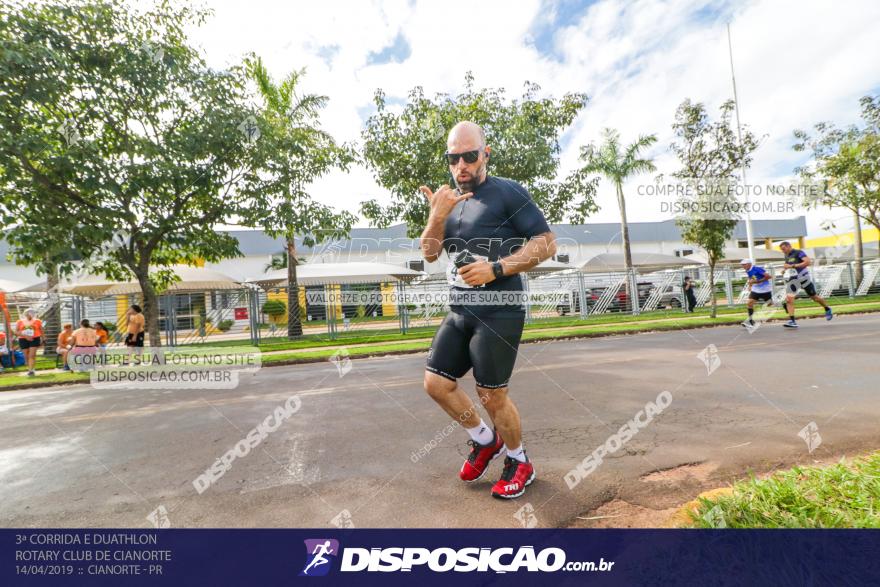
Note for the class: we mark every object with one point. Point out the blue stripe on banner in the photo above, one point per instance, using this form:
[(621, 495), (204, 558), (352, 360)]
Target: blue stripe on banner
[(440, 557)]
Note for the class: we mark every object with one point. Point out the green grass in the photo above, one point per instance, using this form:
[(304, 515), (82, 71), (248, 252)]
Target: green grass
[(10, 378), (325, 354), (844, 495)]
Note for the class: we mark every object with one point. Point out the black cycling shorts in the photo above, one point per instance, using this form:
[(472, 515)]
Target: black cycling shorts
[(486, 343), (794, 285), (761, 296), (27, 344), (135, 340)]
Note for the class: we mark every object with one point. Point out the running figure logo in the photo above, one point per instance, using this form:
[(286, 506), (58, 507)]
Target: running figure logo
[(318, 551)]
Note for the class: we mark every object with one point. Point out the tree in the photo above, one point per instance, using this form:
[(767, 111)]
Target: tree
[(124, 129), (405, 150), (274, 309), (846, 163), (296, 153), (47, 257), (710, 156), (617, 165)]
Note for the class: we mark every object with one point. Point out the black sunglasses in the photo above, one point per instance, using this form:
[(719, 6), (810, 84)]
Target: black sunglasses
[(468, 156)]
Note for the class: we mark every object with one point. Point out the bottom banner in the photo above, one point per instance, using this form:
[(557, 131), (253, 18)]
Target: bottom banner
[(467, 557)]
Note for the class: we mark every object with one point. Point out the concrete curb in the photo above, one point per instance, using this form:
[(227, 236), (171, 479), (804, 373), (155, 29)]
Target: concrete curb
[(682, 519)]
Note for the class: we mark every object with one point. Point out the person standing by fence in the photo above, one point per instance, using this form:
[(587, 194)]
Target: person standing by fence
[(135, 337), (4, 350), (690, 299), (30, 332)]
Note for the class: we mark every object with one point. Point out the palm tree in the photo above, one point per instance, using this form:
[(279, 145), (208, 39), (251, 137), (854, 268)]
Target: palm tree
[(279, 261), (302, 152), (617, 166)]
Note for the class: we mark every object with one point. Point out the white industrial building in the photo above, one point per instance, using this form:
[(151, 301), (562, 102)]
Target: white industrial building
[(580, 242)]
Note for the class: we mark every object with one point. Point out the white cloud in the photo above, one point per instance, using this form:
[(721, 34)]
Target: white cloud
[(797, 63)]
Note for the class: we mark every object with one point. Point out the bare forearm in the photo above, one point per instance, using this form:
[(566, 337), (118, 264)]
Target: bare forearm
[(537, 249), (431, 241)]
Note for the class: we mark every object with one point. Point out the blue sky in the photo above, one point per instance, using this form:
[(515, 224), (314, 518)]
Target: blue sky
[(552, 17), (797, 63), (397, 52)]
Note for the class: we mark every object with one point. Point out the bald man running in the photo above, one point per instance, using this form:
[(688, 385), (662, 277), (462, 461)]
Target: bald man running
[(492, 231)]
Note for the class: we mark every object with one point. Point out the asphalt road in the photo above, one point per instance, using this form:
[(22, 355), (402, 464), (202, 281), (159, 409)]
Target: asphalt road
[(79, 456)]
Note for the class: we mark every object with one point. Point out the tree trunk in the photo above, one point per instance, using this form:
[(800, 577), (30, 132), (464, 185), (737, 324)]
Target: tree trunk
[(294, 324), (52, 325), (627, 254), (151, 306), (858, 250), (624, 228), (713, 313)]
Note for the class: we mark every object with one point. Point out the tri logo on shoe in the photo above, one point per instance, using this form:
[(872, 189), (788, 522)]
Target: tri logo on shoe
[(516, 477)]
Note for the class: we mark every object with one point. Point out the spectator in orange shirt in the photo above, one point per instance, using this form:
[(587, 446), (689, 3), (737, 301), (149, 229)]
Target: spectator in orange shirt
[(30, 332), (65, 341), (103, 337), (103, 334)]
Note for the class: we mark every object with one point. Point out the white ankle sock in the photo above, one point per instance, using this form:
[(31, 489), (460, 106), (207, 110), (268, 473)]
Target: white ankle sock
[(517, 453), (481, 434)]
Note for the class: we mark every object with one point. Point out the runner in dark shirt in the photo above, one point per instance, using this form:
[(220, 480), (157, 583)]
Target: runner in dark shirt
[(492, 230), (797, 276)]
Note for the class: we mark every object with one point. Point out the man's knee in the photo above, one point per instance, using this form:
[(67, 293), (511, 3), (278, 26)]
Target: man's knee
[(438, 386), (492, 398)]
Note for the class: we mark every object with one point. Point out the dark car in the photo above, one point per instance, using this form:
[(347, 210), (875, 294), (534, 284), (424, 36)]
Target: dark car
[(619, 303)]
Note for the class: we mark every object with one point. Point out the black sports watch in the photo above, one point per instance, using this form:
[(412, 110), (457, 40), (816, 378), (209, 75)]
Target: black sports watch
[(498, 269)]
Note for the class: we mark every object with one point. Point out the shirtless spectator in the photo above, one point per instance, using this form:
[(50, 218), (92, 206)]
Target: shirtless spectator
[(135, 337), (85, 340)]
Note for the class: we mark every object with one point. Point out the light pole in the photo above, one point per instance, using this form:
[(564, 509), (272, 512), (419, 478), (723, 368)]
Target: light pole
[(749, 235)]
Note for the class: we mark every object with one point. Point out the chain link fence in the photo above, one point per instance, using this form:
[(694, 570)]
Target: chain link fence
[(368, 310)]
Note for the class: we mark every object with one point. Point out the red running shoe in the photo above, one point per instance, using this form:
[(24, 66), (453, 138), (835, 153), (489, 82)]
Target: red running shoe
[(514, 479), (481, 455)]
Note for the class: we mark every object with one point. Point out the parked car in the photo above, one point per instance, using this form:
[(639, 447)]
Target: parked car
[(574, 300), (619, 303), (671, 297)]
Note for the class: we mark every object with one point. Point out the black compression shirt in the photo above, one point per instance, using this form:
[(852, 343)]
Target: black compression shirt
[(493, 223)]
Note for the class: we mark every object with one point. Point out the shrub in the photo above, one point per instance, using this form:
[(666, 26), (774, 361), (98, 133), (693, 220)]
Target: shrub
[(275, 308)]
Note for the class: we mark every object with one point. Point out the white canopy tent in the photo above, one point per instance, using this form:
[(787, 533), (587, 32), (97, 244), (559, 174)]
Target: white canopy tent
[(10, 286), (542, 268), (189, 279), (732, 256), (549, 266), (614, 262), (339, 273)]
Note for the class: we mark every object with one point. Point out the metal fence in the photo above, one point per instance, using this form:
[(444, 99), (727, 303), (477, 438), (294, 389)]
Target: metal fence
[(342, 311)]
